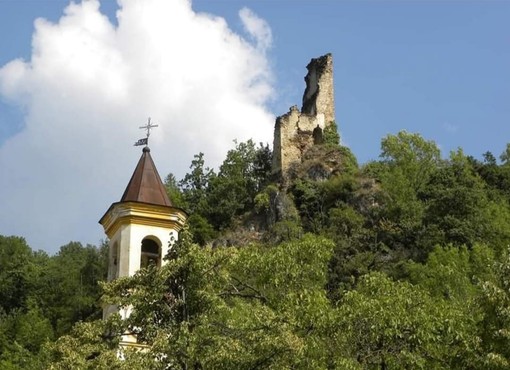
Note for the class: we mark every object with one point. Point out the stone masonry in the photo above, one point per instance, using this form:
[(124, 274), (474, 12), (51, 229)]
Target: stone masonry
[(296, 131)]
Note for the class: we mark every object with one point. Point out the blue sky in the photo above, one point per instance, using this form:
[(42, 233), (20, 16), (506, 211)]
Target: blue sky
[(439, 68)]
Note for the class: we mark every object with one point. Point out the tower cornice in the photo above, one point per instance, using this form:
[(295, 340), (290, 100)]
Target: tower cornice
[(123, 213)]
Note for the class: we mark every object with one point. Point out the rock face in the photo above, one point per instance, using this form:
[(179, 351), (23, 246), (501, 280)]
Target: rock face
[(297, 131)]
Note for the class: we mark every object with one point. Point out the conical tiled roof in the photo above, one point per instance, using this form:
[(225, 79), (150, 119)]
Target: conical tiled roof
[(145, 185)]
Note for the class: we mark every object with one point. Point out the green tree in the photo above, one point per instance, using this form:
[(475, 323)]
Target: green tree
[(243, 173), (16, 267), (33, 329), (68, 289), (355, 251), (505, 156), (23, 327), (497, 177), (311, 202), (174, 192), (394, 325), (202, 231), (409, 162), (228, 308), (454, 273), (331, 135), (194, 185), (495, 326), (262, 165), (458, 207), (23, 332), (416, 158), (89, 346)]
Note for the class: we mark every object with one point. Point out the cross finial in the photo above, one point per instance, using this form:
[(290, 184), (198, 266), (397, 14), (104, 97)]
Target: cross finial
[(148, 127)]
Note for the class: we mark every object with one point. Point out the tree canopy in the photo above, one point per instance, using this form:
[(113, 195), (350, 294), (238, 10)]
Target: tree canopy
[(400, 263)]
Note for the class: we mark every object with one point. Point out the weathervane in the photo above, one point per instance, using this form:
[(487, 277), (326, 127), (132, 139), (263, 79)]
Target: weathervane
[(145, 140)]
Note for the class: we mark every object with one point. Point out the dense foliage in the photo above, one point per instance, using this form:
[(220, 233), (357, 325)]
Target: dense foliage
[(401, 263), (42, 297)]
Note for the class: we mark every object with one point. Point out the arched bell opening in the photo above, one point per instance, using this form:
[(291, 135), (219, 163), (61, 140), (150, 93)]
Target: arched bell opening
[(113, 272), (150, 254)]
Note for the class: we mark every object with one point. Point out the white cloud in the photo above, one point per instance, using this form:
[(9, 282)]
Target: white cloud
[(88, 87), (450, 127), (257, 28)]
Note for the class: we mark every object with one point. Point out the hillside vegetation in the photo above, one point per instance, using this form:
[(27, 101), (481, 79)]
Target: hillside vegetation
[(401, 263)]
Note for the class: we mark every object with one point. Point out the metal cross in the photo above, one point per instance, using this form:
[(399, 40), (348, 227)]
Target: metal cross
[(148, 127)]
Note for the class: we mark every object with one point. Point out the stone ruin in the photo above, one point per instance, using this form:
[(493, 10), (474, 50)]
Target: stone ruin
[(297, 131)]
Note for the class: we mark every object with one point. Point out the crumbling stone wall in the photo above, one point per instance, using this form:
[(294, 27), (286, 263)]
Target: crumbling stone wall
[(296, 131), (319, 94)]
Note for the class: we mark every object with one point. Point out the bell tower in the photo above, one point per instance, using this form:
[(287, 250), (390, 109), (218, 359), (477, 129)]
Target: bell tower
[(141, 226)]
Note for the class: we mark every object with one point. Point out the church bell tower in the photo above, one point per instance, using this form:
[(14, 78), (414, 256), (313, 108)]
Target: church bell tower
[(142, 225)]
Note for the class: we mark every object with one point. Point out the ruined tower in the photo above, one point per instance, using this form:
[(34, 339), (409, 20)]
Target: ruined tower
[(296, 131)]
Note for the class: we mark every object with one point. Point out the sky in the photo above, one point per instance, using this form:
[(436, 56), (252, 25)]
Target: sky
[(77, 80)]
